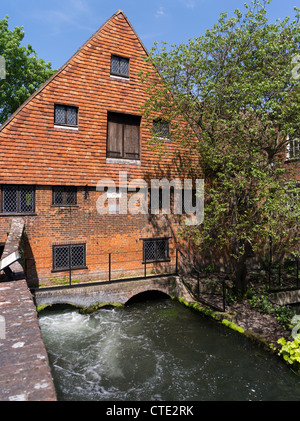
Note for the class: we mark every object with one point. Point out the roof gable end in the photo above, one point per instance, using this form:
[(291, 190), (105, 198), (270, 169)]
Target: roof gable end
[(71, 60)]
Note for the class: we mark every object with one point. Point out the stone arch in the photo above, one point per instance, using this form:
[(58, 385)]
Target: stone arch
[(148, 294)]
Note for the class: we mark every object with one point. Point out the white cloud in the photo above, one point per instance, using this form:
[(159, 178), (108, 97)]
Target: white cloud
[(190, 4), (160, 12)]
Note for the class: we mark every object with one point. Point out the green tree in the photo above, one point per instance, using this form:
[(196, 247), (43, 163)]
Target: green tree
[(236, 90), (24, 71)]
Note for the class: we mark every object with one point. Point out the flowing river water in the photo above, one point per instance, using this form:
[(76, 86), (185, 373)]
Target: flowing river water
[(158, 350)]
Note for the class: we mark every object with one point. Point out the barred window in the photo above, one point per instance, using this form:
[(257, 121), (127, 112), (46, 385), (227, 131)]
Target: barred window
[(119, 66), (155, 250), (71, 256), (161, 128), (66, 115), (293, 149), (64, 196), (18, 199)]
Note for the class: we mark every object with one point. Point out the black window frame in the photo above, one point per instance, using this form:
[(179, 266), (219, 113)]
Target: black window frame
[(166, 258), (66, 107), (123, 120), (64, 190), (19, 189), (69, 266), (157, 129), (119, 73)]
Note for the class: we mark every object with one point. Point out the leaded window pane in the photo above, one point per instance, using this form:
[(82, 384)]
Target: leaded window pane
[(10, 199), (61, 257), (164, 129), (114, 64), (156, 250), (18, 199), (161, 250), (72, 116), (60, 114), (149, 250), (65, 115), (156, 127), (69, 257), (124, 66), (64, 196), (161, 128), (70, 196), (26, 200), (78, 256), (58, 196), (119, 66)]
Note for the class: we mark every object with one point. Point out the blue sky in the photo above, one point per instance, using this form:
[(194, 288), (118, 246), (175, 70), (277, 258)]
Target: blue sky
[(57, 28)]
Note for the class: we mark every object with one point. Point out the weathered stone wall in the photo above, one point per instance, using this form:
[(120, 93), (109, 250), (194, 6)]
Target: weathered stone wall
[(24, 367)]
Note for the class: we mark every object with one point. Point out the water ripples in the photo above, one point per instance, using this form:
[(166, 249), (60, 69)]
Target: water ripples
[(158, 351)]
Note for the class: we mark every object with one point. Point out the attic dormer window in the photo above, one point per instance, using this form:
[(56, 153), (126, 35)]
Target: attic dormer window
[(65, 115), (119, 66)]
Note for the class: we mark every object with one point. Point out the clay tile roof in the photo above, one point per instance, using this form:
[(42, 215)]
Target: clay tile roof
[(67, 63)]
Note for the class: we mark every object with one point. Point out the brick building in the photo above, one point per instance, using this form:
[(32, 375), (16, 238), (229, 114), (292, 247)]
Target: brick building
[(84, 125)]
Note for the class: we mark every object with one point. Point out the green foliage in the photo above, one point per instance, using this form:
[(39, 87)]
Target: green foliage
[(233, 296), (24, 71), (235, 90), (290, 350), (262, 303), (65, 280), (283, 314), (232, 325)]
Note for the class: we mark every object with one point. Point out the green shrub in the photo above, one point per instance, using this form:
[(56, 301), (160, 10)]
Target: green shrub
[(290, 350), (284, 316), (262, 303)]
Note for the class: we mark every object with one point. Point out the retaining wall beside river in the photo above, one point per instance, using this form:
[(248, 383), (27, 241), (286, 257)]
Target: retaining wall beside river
[(24, 367)]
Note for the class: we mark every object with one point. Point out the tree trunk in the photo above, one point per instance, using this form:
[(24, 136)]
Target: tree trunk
[(240, 270)]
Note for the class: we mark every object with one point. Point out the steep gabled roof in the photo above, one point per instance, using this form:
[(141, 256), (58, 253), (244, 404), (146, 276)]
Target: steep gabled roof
[(44, 85), (35, 151)]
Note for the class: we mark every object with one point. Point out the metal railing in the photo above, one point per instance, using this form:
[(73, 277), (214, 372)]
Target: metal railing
[(283, 275), (107, 267), (210, 293), (130, 265)]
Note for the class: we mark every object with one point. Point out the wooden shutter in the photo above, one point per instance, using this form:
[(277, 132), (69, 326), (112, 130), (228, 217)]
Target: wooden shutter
[(115, 136), (132, 137)]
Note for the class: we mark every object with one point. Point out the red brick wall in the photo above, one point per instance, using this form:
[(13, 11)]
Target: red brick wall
[(103, 234)]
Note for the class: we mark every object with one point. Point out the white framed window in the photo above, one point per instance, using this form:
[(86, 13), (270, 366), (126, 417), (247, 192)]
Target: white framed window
[(293, 149)]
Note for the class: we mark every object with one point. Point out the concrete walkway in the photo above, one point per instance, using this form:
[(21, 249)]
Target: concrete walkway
[(24, 367)]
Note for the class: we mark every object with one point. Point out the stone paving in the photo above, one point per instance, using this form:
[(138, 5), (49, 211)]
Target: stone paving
[(24, 367)]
